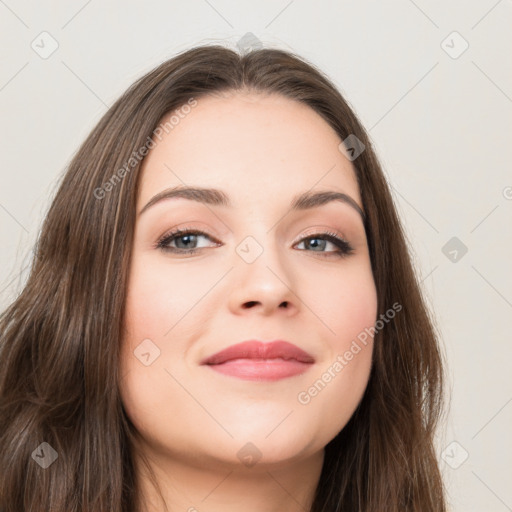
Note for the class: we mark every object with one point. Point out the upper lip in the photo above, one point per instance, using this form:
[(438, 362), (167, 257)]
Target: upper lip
[(254, 349)]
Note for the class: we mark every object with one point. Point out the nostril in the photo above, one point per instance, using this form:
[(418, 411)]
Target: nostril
[(252, 303)]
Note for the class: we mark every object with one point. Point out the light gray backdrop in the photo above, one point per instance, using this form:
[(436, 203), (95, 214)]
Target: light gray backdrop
[(431, 81)]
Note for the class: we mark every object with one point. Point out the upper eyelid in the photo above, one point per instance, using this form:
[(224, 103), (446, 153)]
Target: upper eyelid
[(175, 233), (323, 231)]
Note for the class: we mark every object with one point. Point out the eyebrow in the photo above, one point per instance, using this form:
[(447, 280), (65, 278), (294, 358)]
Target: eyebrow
[(216, 197)]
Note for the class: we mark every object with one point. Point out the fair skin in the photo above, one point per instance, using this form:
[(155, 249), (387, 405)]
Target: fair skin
[(261, 151)]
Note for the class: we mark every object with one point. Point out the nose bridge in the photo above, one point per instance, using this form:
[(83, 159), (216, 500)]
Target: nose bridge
[(261, 273), (259, 245), (260, 251)]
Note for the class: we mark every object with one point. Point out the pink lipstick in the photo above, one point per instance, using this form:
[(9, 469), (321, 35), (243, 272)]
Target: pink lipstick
[(255, 360)]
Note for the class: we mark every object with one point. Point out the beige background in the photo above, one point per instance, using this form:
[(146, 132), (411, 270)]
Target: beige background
[(440, 118)]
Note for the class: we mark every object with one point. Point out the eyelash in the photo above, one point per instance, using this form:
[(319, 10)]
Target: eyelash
[(344, 247)]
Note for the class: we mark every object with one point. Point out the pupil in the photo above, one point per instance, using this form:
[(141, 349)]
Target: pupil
[(315, 242), (187, 239)]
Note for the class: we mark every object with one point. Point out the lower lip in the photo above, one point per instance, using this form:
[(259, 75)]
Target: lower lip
[(261, 369)]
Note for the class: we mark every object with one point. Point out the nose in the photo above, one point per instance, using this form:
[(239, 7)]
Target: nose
[(264, 286)]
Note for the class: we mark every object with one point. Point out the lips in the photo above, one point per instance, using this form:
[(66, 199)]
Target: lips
[(255, 360)]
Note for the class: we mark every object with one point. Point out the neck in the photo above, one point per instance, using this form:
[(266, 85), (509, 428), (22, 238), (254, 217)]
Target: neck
[(224, 487)]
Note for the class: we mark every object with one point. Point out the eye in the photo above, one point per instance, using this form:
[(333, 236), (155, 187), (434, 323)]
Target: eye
[(319, 241), (185, 240)]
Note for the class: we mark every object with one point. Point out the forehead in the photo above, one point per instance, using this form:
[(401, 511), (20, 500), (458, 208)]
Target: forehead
[(250, 145)]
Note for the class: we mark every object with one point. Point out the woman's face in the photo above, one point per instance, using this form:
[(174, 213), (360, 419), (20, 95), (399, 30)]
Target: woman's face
[(262, 270)]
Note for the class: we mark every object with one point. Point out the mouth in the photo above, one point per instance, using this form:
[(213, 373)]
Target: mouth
[(255, 360)]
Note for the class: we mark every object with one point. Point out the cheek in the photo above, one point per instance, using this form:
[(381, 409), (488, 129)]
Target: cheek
[(158, 297), (348, 309), (153, 308), (346, 303)]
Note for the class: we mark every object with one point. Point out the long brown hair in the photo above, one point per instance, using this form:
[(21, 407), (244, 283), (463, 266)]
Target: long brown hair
[(59, 345)]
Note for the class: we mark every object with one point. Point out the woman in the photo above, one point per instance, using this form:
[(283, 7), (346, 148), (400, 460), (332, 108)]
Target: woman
[(222, 310)]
